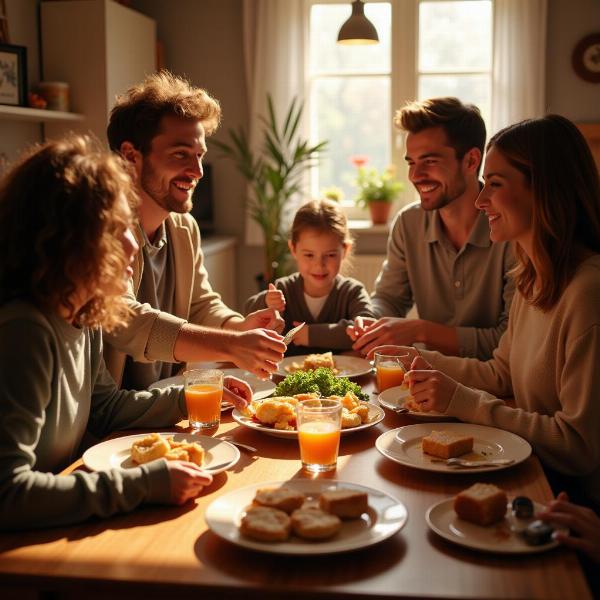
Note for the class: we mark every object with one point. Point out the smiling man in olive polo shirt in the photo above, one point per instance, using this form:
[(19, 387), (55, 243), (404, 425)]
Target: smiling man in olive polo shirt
[(440, 257)]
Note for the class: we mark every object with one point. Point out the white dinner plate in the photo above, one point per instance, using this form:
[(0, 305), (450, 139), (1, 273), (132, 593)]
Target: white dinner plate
[(395, 397), (348, 366), (385, 517), (498, 537), (116, 453), (403, 445), (376, 415), (260, 389)]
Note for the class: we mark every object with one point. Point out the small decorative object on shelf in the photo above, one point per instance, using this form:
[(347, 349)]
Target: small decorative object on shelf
[(56, 94), (376, 191), (586, 58), (13, 75), (36, 101)]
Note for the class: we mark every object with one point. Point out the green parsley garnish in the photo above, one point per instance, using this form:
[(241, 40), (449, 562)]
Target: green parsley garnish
[(322, 381)]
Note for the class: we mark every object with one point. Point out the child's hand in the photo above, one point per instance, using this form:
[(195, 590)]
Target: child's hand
[(301, 338), (275, 298)]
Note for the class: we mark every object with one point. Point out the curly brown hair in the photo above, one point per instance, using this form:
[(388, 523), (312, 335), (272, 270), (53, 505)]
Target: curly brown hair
[(559, 167), (61, 216), (137, 114)]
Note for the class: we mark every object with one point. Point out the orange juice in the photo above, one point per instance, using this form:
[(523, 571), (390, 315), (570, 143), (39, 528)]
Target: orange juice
[(203, 401), (319, 443), (389, 374)]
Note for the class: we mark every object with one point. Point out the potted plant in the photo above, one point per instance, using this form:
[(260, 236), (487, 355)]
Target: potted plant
[(376, 190), (274, 174)]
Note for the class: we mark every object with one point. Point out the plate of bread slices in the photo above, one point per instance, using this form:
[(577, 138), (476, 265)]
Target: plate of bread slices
[(129, 451), (482, 517), (340, 365), (453, 447), (276, 416), (305, 517)]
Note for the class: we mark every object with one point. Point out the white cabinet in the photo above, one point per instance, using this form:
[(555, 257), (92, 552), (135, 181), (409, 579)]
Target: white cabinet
[(219, 260), (100, 48)]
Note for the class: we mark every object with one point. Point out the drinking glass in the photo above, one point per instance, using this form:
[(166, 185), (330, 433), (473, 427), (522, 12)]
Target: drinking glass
[(319, 422), (389, 367), (203, 395)]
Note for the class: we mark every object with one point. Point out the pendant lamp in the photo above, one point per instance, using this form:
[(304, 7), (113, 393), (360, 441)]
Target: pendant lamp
[(358, 29)]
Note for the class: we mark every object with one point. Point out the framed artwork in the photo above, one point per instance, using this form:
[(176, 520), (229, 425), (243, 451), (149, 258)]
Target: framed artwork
[(586, 58), (13, 75)]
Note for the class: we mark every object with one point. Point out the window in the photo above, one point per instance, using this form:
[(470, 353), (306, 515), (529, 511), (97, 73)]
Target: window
[(427, 48)]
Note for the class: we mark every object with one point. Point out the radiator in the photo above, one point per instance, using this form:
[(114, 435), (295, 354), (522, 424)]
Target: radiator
[(365, 268)]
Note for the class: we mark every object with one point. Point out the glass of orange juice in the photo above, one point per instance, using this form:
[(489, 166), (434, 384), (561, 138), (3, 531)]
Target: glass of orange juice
[(319, 422), (389, 368), (203, 394)]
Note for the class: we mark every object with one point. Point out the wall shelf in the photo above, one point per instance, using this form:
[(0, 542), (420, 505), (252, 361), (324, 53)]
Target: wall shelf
[(21, 113)]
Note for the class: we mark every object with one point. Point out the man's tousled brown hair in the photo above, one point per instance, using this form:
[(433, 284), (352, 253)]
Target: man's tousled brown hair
[(559, 167), (463, 123), (137, 114), (60, 224)]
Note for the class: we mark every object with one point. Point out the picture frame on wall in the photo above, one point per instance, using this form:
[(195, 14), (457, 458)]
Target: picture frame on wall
[(13, 75)]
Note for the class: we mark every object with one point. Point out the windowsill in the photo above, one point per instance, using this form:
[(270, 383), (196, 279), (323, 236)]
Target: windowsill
[(358, 226), (369, 238)]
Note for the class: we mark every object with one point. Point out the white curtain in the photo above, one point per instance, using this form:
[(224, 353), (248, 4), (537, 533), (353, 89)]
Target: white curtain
[(275, 43), (519, 70)]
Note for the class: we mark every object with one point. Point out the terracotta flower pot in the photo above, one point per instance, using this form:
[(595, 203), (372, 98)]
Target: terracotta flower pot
[(380, 211)]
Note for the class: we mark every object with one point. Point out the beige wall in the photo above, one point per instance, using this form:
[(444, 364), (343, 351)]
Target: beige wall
[(566, 93)]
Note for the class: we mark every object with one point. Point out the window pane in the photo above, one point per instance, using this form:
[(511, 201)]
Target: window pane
[(326, 56), (354, 115), (455, 36), (473, 89)]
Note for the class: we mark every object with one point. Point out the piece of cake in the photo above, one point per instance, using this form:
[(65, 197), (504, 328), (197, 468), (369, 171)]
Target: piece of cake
[(445, 444), (482, 503), (346, 504)]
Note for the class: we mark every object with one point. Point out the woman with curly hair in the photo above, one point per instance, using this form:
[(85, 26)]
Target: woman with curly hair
[(66, 249), (543, 193)]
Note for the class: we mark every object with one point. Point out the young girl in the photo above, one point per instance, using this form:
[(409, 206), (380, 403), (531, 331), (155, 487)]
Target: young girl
[(317, 294), (67, 248)]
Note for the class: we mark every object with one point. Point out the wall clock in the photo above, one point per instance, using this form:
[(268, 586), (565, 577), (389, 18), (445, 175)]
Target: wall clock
[(586, 58)]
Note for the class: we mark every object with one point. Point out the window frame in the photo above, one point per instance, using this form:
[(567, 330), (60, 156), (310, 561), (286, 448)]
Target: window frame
[(404, 81)]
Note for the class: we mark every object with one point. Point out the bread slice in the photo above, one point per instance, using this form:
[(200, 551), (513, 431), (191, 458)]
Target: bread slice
[(482, 503), (314, 524), (346, 504), (266, 524), (445, 444), (281, 498)]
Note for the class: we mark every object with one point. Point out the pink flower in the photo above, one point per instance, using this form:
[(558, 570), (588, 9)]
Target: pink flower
[(359, 160)]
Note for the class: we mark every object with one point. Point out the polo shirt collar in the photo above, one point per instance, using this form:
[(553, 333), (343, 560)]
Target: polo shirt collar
[(479, 236)]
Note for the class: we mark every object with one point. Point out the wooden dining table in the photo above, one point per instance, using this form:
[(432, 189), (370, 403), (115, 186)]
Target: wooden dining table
[(169, 552)]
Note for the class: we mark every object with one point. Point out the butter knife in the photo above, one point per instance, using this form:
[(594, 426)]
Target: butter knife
[(289, 336)]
